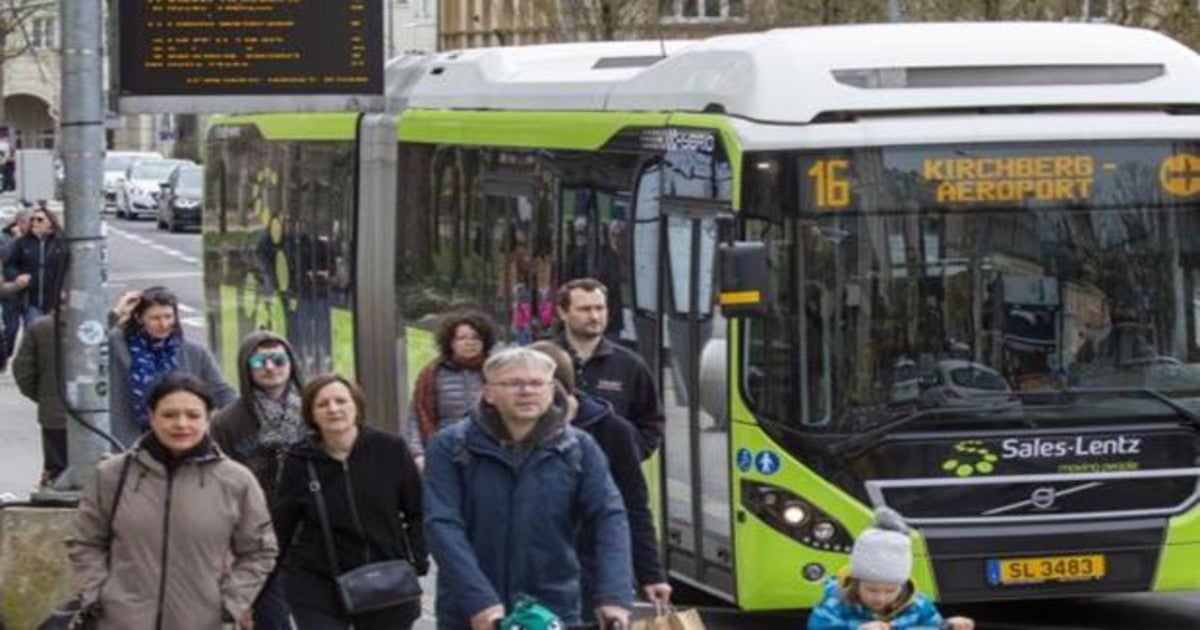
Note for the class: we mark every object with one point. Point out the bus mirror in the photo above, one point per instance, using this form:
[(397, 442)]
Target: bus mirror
[(744, 279)]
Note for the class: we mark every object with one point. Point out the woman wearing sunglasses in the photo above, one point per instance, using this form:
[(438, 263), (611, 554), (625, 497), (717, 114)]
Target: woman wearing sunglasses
[(38, 261), (147, 346)]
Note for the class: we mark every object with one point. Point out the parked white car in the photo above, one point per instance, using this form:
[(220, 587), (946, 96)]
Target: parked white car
[(142, 187), (962, 383), (116, 166)]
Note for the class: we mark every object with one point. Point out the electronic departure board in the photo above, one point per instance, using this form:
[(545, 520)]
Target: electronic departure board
[(1142, 174), (249, 55)]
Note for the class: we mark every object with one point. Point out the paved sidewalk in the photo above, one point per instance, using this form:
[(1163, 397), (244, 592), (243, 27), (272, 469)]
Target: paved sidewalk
[(20, 441)]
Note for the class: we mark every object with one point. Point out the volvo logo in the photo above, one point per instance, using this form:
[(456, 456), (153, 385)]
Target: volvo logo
[(1042, 498)]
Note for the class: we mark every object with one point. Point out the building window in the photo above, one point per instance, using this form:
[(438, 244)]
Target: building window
[(674, 11), (43, 32)]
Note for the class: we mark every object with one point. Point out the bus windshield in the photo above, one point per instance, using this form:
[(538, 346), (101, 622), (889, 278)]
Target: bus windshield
[(963, 277)]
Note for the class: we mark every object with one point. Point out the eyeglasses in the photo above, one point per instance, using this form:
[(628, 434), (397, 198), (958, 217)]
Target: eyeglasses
[(518, 384), (259, 360)]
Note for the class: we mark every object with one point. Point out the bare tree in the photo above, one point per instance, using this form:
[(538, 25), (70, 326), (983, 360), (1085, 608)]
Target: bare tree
[(15, 16)]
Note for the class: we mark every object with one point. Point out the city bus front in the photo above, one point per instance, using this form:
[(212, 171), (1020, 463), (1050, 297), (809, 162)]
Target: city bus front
[(999, 340)]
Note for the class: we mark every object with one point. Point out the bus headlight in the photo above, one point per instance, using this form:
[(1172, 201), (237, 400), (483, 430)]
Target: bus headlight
[(823, 531), (790, 514), (794, 514)]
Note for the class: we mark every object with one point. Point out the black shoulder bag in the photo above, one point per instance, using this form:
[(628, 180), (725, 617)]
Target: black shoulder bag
[(73, 615), (374, 585)]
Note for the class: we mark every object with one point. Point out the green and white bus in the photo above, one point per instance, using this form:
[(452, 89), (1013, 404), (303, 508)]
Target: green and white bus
[(949, 268)]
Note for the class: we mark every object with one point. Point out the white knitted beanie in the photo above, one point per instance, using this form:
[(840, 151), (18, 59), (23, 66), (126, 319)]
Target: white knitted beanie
[(883, 552)]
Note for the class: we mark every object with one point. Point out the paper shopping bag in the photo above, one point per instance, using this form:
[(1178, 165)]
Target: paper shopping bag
[(688, 619)]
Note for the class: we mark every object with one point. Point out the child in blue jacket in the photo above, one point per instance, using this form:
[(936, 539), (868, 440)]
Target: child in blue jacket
[(875, 591)]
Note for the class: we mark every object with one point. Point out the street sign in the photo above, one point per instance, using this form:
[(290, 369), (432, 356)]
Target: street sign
[(249, 56)]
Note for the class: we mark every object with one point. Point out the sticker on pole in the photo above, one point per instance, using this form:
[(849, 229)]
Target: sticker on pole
[(91, 333)]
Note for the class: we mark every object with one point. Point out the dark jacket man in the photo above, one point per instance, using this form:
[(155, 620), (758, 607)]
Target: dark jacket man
[(238, 428), (501, 524), (622, 378), (618, 439), (36, 373)]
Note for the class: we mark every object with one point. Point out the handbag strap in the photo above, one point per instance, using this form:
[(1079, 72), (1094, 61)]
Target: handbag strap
[(314, 486), (362, 533), (112, 514)]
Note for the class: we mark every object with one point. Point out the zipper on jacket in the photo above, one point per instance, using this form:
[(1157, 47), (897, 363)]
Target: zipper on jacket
[(362, 531), (162, 574), (41, 273)]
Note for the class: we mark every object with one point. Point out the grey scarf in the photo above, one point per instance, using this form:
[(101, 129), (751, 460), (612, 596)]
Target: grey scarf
[(279, 420)]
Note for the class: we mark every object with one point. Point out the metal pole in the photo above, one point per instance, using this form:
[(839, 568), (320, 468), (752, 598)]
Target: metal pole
[(82, 314)]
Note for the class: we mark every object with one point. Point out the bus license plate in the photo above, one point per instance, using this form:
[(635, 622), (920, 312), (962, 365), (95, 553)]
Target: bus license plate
[(1045, 569)]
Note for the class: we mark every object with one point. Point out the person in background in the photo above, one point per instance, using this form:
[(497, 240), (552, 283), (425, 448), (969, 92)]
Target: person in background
[(35, 369), (508, 493), (448, 388), (11, 304), (146, 346), (171, 533), (876, 592), (618, 439), (256, 431), (605, 369), (372, 490), (39, 261)]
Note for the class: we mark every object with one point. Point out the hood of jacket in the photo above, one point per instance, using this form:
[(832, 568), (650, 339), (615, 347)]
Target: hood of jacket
[(591, 410), (251, 342)]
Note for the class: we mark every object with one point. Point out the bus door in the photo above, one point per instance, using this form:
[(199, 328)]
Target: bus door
[(696, 462)]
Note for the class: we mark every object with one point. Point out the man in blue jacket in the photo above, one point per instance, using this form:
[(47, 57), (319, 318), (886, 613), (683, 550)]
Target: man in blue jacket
[(508, 491)]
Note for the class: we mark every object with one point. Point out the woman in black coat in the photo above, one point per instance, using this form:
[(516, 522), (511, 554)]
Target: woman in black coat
[(38, 260), (359, 470)]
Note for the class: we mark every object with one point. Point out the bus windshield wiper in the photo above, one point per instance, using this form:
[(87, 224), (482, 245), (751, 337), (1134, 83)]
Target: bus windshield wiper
[(856, 444), (1142, 392)]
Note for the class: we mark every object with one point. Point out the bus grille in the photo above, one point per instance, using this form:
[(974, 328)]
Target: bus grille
[(1031, 498)]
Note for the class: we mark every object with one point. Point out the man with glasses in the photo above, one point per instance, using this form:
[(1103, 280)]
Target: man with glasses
[(508, 490), (256, 430)]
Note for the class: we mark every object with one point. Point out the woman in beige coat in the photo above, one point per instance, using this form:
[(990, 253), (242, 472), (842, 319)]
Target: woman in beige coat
[(191, 542)]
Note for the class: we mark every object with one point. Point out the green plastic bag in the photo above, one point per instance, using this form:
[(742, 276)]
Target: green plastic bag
[(530, 615)]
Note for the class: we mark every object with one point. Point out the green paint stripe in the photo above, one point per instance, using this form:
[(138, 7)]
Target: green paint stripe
[(420, 349), (227, 324), (342, 330), (297, 126), (549, 130)]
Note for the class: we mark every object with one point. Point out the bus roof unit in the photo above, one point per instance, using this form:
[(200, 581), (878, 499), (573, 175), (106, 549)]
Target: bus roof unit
[(796, 75)]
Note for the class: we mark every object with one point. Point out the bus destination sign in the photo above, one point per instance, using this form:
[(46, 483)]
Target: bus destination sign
[(265, 55), (963, 176)]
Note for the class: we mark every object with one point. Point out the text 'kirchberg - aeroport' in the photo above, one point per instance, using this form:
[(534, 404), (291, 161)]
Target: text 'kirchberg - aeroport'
[(1018, 178)]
